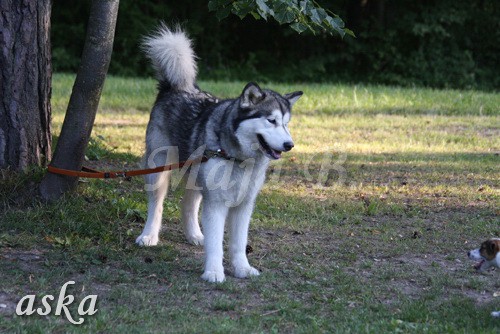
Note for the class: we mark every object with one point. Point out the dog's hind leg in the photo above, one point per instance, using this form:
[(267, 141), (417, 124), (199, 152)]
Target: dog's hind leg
[(190, 207), (156, 187)]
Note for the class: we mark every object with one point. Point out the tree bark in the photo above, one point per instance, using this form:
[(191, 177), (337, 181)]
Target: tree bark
[(25, 83), (82, 107)]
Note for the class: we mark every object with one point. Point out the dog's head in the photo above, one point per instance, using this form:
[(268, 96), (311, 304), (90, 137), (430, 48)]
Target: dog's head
[(262, 119), (488, 255)]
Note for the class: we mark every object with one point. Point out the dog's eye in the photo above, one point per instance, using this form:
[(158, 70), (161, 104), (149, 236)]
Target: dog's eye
[(272, 121)]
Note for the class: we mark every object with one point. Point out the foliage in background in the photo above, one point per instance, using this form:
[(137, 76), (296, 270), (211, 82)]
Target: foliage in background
[(446, 43)]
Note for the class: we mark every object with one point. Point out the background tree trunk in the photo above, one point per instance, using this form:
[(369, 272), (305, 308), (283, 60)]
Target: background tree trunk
[(25, 83), (82, 108)]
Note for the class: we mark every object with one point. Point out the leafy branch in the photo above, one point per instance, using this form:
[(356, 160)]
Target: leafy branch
[(300, 15)]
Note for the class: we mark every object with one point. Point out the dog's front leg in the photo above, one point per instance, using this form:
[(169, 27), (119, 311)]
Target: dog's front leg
[(156, 186), (213, 217), (239, 221)]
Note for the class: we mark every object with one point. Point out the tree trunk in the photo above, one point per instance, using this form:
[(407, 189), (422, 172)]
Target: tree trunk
[(82, 108), (25, 83)]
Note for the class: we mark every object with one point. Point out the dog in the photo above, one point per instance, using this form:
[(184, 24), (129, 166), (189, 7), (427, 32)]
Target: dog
[(245, 133), (488, 255)]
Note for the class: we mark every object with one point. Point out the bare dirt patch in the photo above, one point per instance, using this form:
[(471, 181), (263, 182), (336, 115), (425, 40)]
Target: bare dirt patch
[(26, 260), (8, 303)]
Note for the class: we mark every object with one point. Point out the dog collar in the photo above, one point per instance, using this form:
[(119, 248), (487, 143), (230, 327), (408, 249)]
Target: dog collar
[(219, 153)]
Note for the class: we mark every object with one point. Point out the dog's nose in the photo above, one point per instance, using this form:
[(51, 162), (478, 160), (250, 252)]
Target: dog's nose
[(288, 146)]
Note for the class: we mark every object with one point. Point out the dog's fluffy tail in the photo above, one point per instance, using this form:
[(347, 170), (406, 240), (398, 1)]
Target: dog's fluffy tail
[(172, 56)]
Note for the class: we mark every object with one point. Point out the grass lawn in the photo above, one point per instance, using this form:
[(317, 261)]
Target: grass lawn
[(363, 227)]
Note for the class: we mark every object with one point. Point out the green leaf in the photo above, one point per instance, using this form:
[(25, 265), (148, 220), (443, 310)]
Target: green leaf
[(349, 32), (284, 14), (306, 7), (212, 5), (299, 27), (216, 5), (258, 16), (335, 25), (318, 15), (222, 13), (263, 9), (322, 13), (243, 8), (339, 22)]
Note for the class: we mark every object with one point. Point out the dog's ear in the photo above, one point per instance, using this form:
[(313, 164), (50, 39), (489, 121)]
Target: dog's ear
[(492, 247), (252, 94), (293, 97)]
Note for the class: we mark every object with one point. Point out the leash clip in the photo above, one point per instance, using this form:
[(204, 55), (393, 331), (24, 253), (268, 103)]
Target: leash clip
[(214, 154)]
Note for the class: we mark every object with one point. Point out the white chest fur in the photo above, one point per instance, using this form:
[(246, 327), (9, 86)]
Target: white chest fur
[(232, 181)]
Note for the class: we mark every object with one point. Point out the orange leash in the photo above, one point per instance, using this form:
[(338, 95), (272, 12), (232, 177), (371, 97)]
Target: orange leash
[(95, 174)]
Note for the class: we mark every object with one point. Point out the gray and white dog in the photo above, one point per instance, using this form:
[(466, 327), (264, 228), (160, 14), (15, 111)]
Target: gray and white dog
[(185, 124)]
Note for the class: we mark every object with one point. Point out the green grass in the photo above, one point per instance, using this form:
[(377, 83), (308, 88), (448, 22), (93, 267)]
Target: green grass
[(374, 244)]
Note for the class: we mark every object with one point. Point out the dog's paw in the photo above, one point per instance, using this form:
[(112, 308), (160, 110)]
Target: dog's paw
[(147, 240), (244, 272), (214, 276), (195, 239)]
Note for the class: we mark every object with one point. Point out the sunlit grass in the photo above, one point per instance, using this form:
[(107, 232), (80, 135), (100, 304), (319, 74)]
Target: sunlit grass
[(365, 119)]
